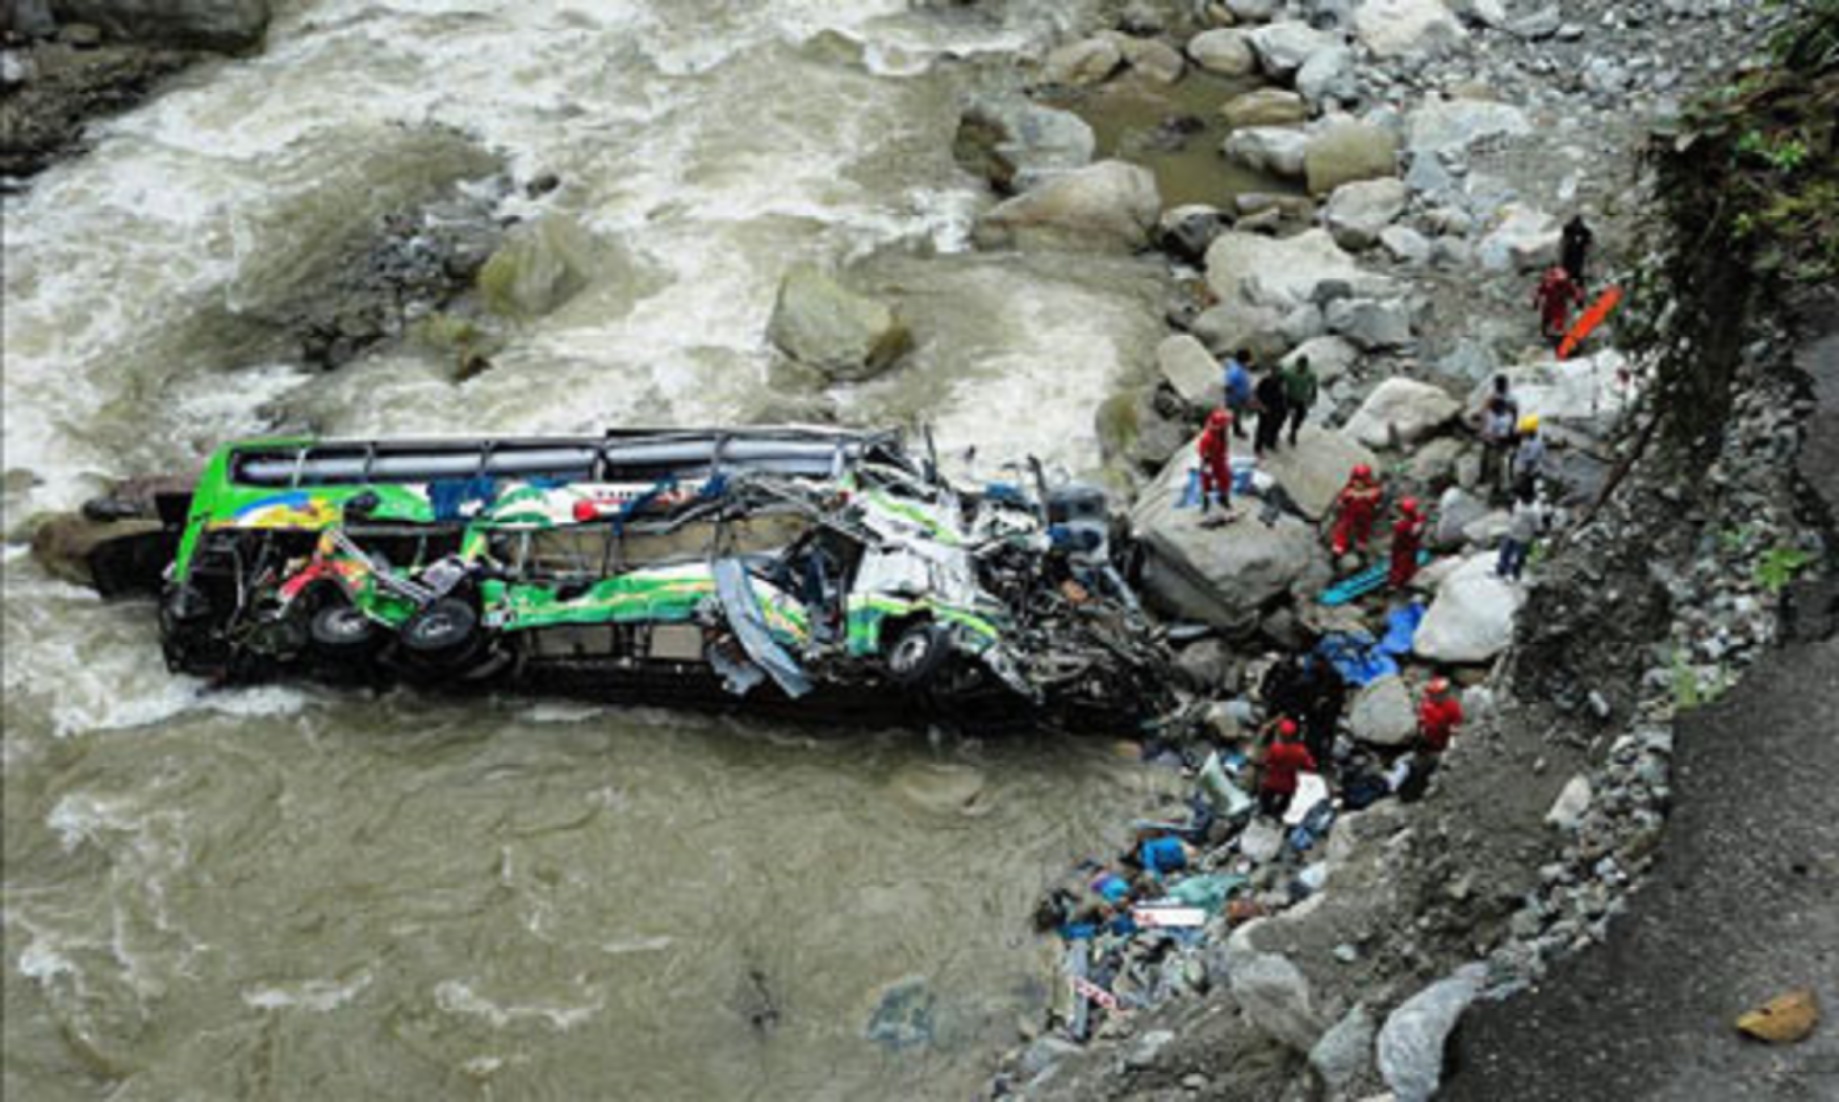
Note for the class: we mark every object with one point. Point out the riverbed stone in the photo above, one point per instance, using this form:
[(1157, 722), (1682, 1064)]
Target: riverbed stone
[(1401, 409), (540, 265), (1110, 206), (1087, 61), (1223, 50), (1015, 143), (1276, 150), (1190, 370), (1345, 151), (1371, 324), (1153, 60), (1454, 125), (1185, 232), (1331, 357), (1382, 713), (1357, 213), (1393, 28), (1524, 239), (1328, 77), (1284, 47), (1345, 1052), (1286, 272), (1236, 324), (825, 326), (1405, 245), (1313, 472), (1471, 618), (1409, 1048), (1264, 107), (1276, 997)]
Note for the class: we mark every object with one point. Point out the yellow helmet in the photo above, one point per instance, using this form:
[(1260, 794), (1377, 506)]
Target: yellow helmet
[(1529, 423)]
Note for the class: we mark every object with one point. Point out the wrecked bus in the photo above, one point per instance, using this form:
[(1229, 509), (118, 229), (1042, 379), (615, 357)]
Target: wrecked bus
[(777, 565)]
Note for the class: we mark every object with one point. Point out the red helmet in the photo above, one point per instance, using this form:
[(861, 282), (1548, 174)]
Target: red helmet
[(1362, 472), (1409, 506), (1438, 686), (1218, 419), (1286, 728)]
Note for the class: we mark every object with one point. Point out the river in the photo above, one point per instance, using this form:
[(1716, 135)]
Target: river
[(301, 893)]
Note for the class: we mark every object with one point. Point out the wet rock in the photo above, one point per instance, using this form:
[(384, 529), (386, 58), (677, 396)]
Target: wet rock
[(1015, 143), (1130, 428), (1328, 78), (1088, 61), (825, 326), (1410, 1045), (1453, 126), (1393, 28), (1217, 575), (1264, 107), (1471, 617), (1190, 370), (1224, 51), (1157, 62), (1288, 272), (1275, 996), (1523, 240), (1283, 48), (541, 265), (1572, 803), (1314, 471), (230, 25), (1345, 1052), (1383, 714), (66, 544), (1275, 150), (1401, 409), (1253, 11), (1184, 232), (542, 184), (1108, 206), (1369, 324), (1357, 213), (1345, 151)]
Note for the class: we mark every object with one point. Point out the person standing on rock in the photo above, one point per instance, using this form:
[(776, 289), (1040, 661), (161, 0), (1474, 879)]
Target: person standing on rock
[(1216, 461), (1439, 715), (1407, 537), (1499, 415), (1239, 389), (1528, 521), (1357, 504), (1528, 458), (1273, 408), (1299, 390), (1556, 294), (1574, 248), (1282, 762)]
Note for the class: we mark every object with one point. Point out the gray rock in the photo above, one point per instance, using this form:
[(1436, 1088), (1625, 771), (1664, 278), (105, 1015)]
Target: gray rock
[(1410, 1045), (1331, 357), (1261, 840), (1452, 126), (1283, 48), (1275, 996), (1278, 151), (1253, 11), (1016, 143), (1435, 462), (823, 325), (1108, 206), (1328, 77), (1185, 231), (1303, 323), (1345, 1053), (1225, 51), (1288, 272), (1394, 28), (213, 24), (1157, 62), (1044, 1052), (1188, 368), (1471, 618), (1455, 510), (540, 265), (1314, 471), (1088, 61), (1401, 408), (1371, 324), (1383, 714), (1234, 325), (1543, 23), (1264, 107), (1525, 239), (1145, 1049), (1356, 213), (1344, 151), (1405, 245), (1572, 802)]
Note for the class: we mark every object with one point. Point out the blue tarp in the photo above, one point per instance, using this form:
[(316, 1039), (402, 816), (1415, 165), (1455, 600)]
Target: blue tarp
[(1356, 657), (1401, 626), (1241, 483)]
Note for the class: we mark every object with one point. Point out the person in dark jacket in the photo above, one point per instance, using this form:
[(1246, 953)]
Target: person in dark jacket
[(1273, 408), (1299, 390), (1574, 247)]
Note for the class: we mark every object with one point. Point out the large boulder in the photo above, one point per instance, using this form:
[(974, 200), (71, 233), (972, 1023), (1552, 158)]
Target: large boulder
[(1275, 150), (1190, 370), (1225, 51), (1579, 390), (1345, 151), (1218, 575), (1393, 28), (1284, 47), (1088, 61), (1524, 239), (1253, 11), (1345, 1053), (1132, 430), (1264, 107), (1455, 125), (540, 265), (1275, 996), (70, 546), (212, 24), (1471, 618), (1328, 77), (1286, 272), (1108, 206), (823, 325), (1410, 1045), (1331, 357), (1358, 212), (1402, 409), (1155, 61), (1015, 143), (1233, 325), (1184, 232), (1382, 713), (1314, 471), (1371, 324)]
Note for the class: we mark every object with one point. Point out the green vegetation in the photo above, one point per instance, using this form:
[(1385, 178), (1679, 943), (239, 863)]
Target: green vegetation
[(1778, 566)]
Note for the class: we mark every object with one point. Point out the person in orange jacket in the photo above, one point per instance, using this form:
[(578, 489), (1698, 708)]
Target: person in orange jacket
[(1358, 503), (1439, 714), (1556, 294), (1215, 459), (1407, 537)]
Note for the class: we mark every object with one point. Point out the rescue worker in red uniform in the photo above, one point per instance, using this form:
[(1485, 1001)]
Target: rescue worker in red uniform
[(1215, 459), (1282, 762), (1358, 503), (1407, 537), (1439, 714), (1556, 294)]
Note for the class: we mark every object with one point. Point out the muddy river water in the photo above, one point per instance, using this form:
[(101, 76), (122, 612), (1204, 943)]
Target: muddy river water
[(298, 893)]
